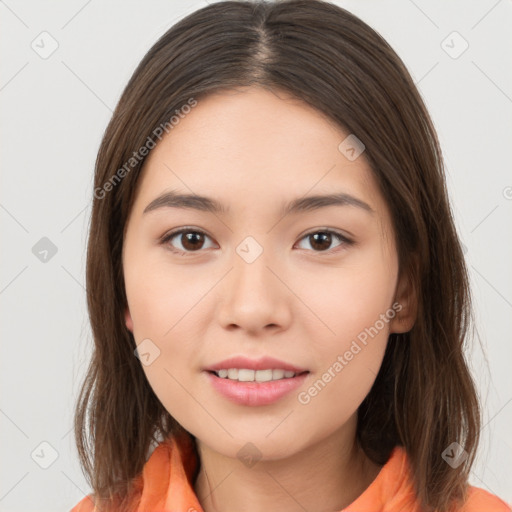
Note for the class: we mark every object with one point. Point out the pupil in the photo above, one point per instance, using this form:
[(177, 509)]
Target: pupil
[(326, 238), (191, 240)]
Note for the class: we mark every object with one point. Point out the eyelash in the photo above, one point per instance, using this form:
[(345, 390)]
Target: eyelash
[(169, 236)]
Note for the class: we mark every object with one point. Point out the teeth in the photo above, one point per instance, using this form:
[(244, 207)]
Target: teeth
[(245, 375), (263, 375), (278, 374)]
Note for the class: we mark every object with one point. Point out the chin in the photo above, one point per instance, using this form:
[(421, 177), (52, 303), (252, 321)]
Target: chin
[(253, 444)]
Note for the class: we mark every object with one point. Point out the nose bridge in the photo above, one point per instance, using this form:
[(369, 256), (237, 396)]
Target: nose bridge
[(252, 297), (250, 262)]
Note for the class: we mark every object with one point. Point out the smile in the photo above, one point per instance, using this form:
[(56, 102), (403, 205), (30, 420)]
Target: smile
[(247, 375), (251, 392)]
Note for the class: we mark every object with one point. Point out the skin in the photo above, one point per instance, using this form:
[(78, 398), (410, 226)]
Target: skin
[(300, 302)]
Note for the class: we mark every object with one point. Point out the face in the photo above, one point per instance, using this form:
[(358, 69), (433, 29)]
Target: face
[(315, 287)]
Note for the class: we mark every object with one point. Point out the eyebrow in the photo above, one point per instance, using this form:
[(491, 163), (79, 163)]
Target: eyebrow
[(174, 199)]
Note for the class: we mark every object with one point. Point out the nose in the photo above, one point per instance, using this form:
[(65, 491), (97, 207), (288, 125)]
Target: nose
[(253, 296)]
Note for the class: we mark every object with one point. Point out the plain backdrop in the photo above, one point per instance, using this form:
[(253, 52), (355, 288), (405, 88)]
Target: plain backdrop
[(55, 107)]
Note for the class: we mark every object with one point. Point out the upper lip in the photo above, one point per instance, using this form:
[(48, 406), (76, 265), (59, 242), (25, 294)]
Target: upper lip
[(254, 364)]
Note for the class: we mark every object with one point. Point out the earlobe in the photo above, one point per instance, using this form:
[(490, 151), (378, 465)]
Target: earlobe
[(406, 297), (402, 325), (128, 319)]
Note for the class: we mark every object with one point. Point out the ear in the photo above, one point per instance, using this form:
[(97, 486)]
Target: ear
[(407, 305), (128, 319)]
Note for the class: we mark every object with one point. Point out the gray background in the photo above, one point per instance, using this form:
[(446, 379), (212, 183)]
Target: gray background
[(54, 112)]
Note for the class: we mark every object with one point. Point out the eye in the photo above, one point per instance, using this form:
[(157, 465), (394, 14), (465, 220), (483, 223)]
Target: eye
[(190, 240), (193, 240), (322, 240)]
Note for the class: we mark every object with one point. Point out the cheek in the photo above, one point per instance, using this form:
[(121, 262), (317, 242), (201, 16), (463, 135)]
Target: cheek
[(159, 296), (347, 298), (163, 302), (349, 337), (347, 362)]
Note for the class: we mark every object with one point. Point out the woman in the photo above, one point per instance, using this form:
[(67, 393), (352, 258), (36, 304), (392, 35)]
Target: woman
[(277, 292)]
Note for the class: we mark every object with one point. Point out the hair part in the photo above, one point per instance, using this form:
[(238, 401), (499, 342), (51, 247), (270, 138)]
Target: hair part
[(424, 397)]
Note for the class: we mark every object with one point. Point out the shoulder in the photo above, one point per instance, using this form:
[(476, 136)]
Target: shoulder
[(479, 500), (85, 505)]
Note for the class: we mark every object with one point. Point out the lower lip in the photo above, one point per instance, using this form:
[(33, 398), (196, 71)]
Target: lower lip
[(255, 393)]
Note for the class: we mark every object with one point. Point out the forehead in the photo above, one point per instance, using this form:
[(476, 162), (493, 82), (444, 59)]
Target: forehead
[(255, 144)]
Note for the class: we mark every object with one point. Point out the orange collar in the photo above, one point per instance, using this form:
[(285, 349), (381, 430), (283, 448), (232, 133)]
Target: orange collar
[(167, 481), (166, 485)]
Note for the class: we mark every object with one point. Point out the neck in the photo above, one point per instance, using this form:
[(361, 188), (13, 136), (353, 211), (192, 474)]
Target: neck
[(335, 469)]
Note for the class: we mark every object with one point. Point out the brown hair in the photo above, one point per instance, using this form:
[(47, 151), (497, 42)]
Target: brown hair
[(424, 397)]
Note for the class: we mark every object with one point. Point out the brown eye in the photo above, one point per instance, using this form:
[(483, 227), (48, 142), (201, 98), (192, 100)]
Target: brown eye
[(192, 240), (320, 241), (188, 240), (185, 240)]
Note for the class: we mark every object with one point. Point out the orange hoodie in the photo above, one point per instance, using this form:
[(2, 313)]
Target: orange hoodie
[(165, 485)]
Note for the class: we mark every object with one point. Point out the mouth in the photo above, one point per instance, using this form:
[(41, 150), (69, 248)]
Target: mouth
[(255, 382), (248, 375), (252, 392)]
